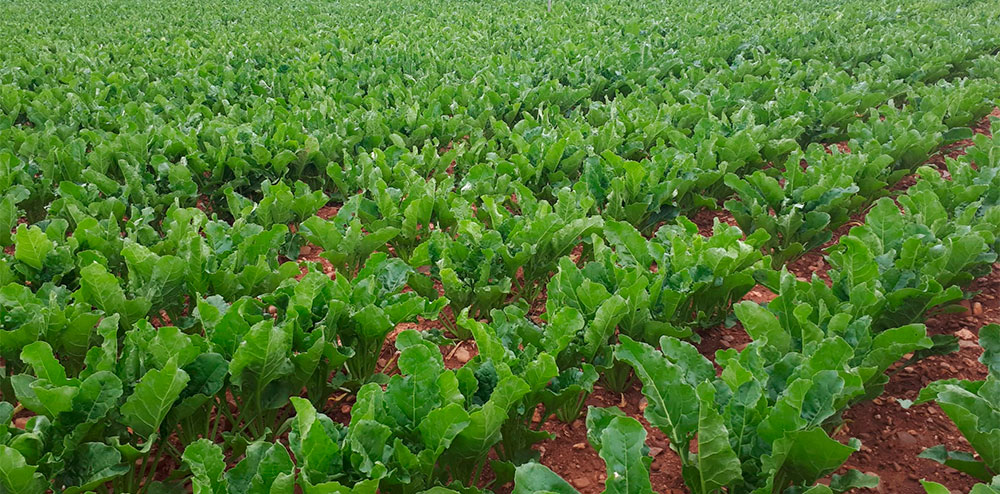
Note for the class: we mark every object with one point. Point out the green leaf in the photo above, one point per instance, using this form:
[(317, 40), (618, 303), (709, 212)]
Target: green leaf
[(39, 396), (104, 357), (266, 469), (207, 465), (368, 440), (316, 452), (803, 456), (989, 339), (97, 396), (9, 214), (934, 487), (853, 479), (263, 356), (102, 290), (16, 476), (207, 374), (977, 417), (155, 394), (442, 425), (364, 487), (39, 356), (534, 478), (957, 134), (599, 419), (673, 403), (31, 246), (716, 464), (629, 244), (90, 466), (483, 431), (959, 460), (623, 449), (762, 326)]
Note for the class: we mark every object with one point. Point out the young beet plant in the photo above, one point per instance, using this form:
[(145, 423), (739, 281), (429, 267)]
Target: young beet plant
[(646, 193), (673, 285), (343, 240), (420, 207), (536, 239), (919, 258), (621, 443), (363, 310), (469, 268), (551, 358), (764, 423)]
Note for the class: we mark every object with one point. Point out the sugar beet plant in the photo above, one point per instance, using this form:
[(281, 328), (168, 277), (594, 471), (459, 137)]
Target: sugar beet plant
[(165, 327)]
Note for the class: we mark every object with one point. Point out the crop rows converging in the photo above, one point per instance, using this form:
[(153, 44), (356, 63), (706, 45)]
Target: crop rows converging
[(219, 219)]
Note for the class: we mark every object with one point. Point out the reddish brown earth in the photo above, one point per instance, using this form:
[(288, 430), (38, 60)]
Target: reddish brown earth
[(705, 219), (571, 456)]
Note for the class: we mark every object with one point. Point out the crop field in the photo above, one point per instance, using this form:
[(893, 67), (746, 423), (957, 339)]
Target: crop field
[(443, 246)]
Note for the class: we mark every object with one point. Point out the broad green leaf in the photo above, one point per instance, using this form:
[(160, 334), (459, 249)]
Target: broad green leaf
[(853, 479), (441, 426), (102, 290), (934, 487), (97, 396), (623, 449), (154, 395), (263, 356), (804, 456), (92, 465), (16, 476), (316, 452), (266, 469), (31, 246), (533, 478), (39, 356), (959, 460), (673, 404), (207, 465), (716, 464), (762, 326)]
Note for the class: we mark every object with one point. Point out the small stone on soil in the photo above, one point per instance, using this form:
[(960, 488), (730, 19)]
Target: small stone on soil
[(906, 439), (965, 334), (463, 355)]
